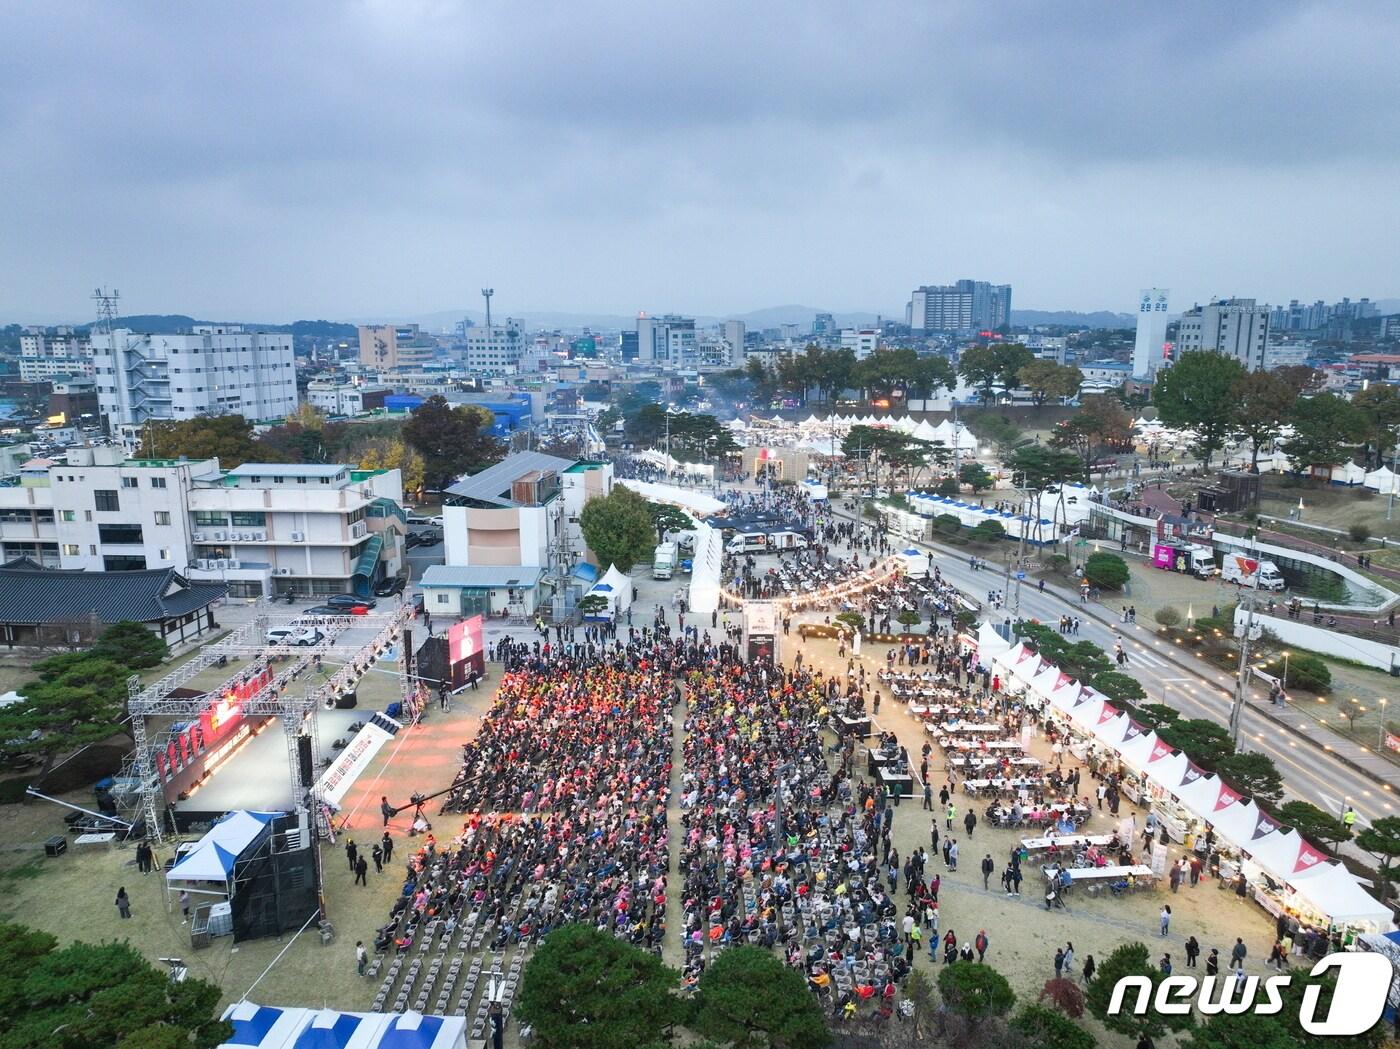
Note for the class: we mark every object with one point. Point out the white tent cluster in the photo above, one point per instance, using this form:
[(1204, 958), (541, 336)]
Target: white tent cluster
[(267, 1027), (688, 500), (1317, 883), (824, 435)]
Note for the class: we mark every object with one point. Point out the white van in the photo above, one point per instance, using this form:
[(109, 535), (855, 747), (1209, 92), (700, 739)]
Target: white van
[(748, 543)]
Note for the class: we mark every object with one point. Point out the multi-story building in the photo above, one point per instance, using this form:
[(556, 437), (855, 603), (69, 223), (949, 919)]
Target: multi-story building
[(311, 529), (734, 333), (496, 349), (47, 369), (968, 305), (1150, 344), (340, 398), (214, 370), (1237, 328), (861, 341), (823, 324), (667, 339), (395, 347), (62, 343)]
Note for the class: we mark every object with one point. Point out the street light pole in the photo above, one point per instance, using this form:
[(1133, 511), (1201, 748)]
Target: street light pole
[(1237, 708)]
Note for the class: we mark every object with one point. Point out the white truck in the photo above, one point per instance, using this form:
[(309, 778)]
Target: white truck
[(1238, 568), (787, 541), (664, 561), (747, 543)]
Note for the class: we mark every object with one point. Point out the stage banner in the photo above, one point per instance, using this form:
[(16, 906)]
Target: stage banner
[(346, 768), (464, 640)]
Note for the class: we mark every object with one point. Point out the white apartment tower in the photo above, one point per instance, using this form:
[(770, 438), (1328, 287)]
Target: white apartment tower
[(1153, 306), (734, 336), (214, 370), (1238, 328)]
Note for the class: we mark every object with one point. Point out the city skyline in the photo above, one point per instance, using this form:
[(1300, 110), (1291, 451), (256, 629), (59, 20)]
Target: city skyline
[(388, 160)]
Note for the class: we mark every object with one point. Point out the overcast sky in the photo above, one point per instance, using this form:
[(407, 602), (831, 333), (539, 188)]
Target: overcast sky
[(272, 161)]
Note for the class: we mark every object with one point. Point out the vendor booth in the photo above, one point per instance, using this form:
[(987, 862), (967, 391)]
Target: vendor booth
[(267, 1027), (616, 589), (915, 562)]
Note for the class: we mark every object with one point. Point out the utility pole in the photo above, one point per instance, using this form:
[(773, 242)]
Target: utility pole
[(1390, 502), (1021, 550), (1237, 708)]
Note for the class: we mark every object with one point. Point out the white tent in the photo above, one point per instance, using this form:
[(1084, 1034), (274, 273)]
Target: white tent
[(915, 562), (268, 1027), (616, 589), (695, 502), (810, 421), (1383, 481), (990, 644), (925, 431), (813, 490), (212, 858), (1348, 474), (1332, 890), (904, 424)]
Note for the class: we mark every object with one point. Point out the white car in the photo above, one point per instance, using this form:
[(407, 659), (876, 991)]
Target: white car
[(297, 635)]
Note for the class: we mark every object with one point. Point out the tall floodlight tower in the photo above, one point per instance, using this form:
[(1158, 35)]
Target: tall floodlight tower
[(486, 294), (1151, 331)]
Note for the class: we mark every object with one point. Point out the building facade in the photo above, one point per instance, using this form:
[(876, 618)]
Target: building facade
[(214, 370), (967, 306), (1149, 348), (667, 339), (395, 347), (335, 398), (861, 341), (734, 332), (495, 350), (1237, 328)]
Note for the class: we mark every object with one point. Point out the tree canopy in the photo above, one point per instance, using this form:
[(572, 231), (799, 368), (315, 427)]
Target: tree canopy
[(79, 699), (1046, 379), (1382, 838), (1325, 429), (585, 989), (618, 528), (1130, 959), (1207, 743), (451, 440), (1254, 774), (998, 364), (1106, 570), (1313, 823), (1100, 423), (750, 1000), (98, 995), (975, 989), (392, 453), (1262, 403), (132, 644), (1046, 1028), (1197, 393), (668, 518), (229, 438)]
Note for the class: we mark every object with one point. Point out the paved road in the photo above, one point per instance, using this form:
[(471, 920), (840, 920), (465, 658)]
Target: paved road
[(1181, 680)]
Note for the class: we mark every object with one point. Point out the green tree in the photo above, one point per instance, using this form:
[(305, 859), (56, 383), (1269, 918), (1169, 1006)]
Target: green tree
[(854, 620), (1105, 570), (585, 989), (988, 531), (1325, 428), (1242, 1031), (976, 990), (1035, 468), (618, 528), (592, 604), (975, 476), (98, 995), (130, 643), (987, 366), (668, 518), (1379, 406), (1119, 686), (392, 453), (1197, 393), (1130, 959), (1382, 838), (607, 419), (1100, 423), (1313, 823), (1167, 616), (1254, 775), (1045, 1028), (452, 441), (646, 425), (228, 438), (1262, 404), (750, 1000), (908, 619), (1046, 379), (1207, 743), (77, 701)]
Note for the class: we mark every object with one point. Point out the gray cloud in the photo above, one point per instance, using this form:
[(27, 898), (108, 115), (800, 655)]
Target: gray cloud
[(279, 160)]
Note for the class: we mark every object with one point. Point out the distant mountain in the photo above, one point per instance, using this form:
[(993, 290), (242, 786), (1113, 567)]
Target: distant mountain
[(176, 323), (1073, 319)]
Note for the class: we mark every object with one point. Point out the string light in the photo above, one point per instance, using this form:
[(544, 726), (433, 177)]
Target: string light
[(862, 584)]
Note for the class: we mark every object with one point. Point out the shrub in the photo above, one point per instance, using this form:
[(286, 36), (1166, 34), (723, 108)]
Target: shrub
[(1106, 571), (1047, 1029), (947, 524), (1168, 617), (947, 486), (1057, 563), (988, 531), (1119, 686), (1359, 533), (1065, 995), (976, 990), (1305, 671)]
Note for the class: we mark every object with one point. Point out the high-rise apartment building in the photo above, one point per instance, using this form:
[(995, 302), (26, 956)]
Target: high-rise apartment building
[(1237, 328), (214, 370), (823, 324), (666, 339), (734, 332), (396, 347), (50, 353), (1148, 348), (968, 305)]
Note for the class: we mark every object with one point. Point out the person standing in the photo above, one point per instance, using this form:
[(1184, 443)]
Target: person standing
[(1165, 918), (950, 814), (1193, 951), (361, 957), (184, 906), (361, 867), (1059, 962), (1238, 953), (377, 854), (928, 806), (982, 942), (988, 866), (123, 903), (970, 821), (351, 853), (388, 844), (1069, 959), (1089, 967), (953, 855), (933, 833)]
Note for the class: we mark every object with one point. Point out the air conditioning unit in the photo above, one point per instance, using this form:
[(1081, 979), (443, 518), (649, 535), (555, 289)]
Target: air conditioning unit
[(235, 536), (199, 537), (284, 571), (235, 564), (203, 563), (260, 536), (219, 537), (298, 537), (223, 563), (357, 529)]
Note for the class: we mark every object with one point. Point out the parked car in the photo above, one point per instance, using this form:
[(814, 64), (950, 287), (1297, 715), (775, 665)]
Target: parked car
[(294, 634), (350, 601), (336, 610), (390, 587)]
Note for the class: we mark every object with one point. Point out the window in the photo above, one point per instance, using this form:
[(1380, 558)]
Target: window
[(209, 518), (71, 549), (119, 534), (165, 553), (157, 482), (123, 564), (162, 517), (442, 599), (129, 482), (249, 518), (70, 515), (106, 500)]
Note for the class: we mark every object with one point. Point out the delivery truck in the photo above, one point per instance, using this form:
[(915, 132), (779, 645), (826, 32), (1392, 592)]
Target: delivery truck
[(1190, 558), (1238, 568), (748, 543), (664, 561)]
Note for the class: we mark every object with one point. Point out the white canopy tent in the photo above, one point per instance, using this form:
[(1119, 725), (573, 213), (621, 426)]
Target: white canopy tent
[(916, 562), (212, 859), (990, 644), (616, 588), (1348, 474), (695, 502), (705, 565), (269, 1027), (1383, 481)]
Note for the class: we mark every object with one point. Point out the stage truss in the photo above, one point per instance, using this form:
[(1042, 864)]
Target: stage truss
[(297, 710)]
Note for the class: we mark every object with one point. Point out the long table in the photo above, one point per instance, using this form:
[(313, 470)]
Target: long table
[(1071, 840), (1139, 870), (900, 783)]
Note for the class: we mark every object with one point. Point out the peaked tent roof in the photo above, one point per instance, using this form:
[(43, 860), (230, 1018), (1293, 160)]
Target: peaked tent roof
[(33, 594)]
